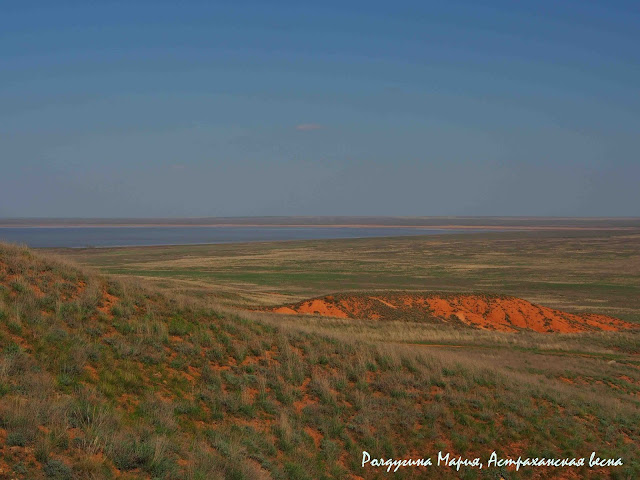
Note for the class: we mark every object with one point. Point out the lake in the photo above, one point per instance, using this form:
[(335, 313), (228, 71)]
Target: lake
[(79, 237)]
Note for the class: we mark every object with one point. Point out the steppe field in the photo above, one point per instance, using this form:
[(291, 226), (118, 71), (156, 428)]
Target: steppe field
[(289, 359)]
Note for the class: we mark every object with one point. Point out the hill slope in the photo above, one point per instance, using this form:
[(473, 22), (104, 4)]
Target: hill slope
[(100, 379), (489, 312)]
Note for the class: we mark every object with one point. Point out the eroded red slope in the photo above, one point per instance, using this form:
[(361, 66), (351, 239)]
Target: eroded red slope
[(490, 312)]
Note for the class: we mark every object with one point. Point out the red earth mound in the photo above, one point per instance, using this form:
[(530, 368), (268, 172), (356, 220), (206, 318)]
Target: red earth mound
[(489, 312)]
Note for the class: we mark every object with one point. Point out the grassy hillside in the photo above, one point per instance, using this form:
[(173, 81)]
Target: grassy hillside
[(105, 379)]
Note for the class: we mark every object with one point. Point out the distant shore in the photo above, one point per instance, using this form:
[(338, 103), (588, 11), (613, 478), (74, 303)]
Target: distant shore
[(501, 228), (444, 223)]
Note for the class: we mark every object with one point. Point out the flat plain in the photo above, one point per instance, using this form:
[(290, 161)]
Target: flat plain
[(584, 270)]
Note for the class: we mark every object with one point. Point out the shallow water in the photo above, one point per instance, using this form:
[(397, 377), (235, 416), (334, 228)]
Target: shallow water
[(77, 237)]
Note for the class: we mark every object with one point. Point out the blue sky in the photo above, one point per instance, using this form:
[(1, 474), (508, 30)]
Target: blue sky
[(149, 109)]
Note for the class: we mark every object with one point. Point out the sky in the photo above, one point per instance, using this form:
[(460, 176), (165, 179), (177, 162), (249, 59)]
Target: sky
[(214, 108)]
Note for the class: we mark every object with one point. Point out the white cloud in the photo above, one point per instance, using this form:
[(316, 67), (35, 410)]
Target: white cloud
[(305, 127)]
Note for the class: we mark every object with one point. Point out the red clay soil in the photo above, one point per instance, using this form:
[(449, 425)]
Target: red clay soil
[(488, 312)]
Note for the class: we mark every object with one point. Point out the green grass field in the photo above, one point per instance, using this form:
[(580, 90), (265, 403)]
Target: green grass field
[(573, 270)]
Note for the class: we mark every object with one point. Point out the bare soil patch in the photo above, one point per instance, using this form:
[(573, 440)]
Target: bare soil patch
[(488, 312)]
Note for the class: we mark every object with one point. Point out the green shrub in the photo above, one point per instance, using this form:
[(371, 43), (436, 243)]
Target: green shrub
[(15, 328), (16, 439), (179, 327), (57, 470), (148, 454), (295, 471), (18, 286), (4, 389), (124, 328)]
